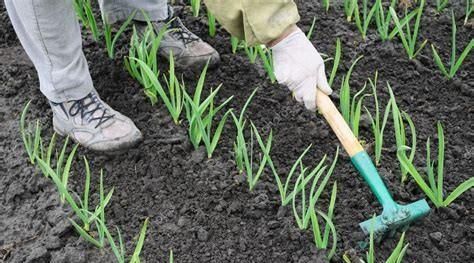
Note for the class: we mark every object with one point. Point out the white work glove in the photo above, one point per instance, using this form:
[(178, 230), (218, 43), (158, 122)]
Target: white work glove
[(298, 65)]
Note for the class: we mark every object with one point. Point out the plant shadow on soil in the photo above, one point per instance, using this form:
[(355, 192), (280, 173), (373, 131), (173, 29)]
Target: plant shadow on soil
[(201, 208)]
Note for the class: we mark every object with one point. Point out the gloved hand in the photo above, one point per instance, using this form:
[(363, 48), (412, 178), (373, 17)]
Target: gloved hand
[(298, 65)]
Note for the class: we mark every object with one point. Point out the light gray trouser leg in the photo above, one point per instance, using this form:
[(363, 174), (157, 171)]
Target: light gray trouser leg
[(116, 10), (49, 32)]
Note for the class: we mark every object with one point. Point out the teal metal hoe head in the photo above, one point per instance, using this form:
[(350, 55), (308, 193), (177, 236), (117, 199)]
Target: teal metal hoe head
[(396, 218)]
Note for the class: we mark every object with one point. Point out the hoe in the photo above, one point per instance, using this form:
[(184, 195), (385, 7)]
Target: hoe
[(394, 216)]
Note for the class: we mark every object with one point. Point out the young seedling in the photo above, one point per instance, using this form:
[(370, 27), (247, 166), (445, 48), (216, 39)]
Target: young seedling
[(84, 12), (173, 98), (349, 8), (284, 189), (201, 124), (303, 221), (80, 208), (211, 19), (399, 118), (145, 49), (378, 126), (234, 42), (351, 109), (252, 52), (336, 61), (265, 55), (200, 116), (175, 92), (326, 4), (454, 63), (308, 210), (434, 188), (118, 248), (321, 240), (441, 5), (409, 36), (356, 109), (98, 216), (253, 179), (259, 51), (35, 148), (469, 9), (300, 186), (285, 194), (31, 142), (344, 94), (240, 143), (67, 168), (195, 7), (78, 6), (309, 35), (363, 20), (111, 41), (244, 157), (383, 20)]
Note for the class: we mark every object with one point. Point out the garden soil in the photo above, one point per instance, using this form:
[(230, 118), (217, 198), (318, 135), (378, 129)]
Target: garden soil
[(201, 208)]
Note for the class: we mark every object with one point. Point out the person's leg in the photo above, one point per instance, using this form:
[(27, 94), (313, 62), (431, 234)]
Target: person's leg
[(50, 34), (116, 10)]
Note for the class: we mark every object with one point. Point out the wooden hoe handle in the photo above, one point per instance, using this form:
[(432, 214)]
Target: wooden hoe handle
[(338, 124)]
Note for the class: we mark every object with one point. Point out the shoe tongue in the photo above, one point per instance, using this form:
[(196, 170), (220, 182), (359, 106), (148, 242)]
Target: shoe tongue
[(89, 108)]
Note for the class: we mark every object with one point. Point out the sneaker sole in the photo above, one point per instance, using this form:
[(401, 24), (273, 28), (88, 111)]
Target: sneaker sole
[(119, 150)]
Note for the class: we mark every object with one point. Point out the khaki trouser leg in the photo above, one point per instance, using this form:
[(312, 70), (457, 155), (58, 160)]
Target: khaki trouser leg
[(256, 21)]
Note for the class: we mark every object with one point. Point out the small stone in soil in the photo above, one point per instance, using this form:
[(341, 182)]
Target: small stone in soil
[(365, 121), (170, 227), (436, 236), (182, 221), (281, 212), (53, 242), (39, 254), (449, 213), (240, 178), (273, 224), (234, 207), (198, 155), (323, 133), (295, 235), (61, 228), (202, 234)]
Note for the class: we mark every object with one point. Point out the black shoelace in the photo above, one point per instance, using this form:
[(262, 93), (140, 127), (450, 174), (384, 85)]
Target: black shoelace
[(179, 31), (88, 108)]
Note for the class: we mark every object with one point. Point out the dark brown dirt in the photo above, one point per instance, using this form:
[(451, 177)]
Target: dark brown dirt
[(202, 208)]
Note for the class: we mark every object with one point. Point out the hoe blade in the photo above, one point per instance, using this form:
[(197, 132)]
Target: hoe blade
[(397, 219)]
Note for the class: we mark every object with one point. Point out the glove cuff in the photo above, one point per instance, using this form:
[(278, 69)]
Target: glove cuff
[(288, 40)]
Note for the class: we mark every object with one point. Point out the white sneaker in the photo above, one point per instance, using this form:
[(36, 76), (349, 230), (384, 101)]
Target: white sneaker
[(94, 124)]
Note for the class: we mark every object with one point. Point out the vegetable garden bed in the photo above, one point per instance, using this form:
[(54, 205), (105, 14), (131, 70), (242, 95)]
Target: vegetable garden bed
[(202, 208)]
